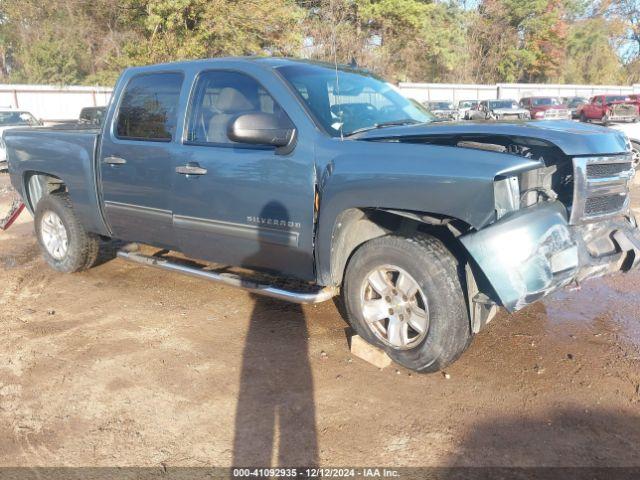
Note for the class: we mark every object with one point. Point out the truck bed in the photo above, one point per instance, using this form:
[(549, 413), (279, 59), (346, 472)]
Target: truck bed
[(63, 152)]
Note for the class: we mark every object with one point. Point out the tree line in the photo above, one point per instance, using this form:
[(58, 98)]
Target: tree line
[(462, 41)]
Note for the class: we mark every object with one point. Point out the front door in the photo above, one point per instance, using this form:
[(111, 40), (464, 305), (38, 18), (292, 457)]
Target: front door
[(137, 157), (240, 204)]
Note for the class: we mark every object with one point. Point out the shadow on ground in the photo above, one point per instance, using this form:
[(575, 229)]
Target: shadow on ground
[(564, 444), (275, 413)]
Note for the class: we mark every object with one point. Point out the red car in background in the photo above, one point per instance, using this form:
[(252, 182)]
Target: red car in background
[(609, 108), (549, 108), (634, 98)]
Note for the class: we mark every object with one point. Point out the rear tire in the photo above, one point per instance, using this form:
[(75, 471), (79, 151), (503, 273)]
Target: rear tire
[(66, 246), (373, 289)]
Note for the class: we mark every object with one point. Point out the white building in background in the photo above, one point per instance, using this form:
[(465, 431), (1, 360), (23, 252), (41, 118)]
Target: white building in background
[(51, 103), (54, 103), (454, 92)]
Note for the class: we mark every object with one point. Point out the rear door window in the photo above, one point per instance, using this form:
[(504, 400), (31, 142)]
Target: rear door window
[(149, 107)]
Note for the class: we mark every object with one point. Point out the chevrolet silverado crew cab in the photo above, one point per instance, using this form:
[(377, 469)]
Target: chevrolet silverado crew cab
[(324, 180)]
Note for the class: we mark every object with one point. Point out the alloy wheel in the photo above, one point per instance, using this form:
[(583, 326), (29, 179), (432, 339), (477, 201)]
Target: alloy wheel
[(54, 235), (394, 307)]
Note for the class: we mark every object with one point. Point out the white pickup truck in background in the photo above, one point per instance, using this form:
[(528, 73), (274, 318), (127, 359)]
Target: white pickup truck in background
[(632, 130), (10, 118)]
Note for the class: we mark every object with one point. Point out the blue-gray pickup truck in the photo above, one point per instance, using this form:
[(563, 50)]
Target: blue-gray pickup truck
[(327, 180)]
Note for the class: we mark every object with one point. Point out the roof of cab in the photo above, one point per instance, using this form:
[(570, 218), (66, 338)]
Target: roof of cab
[(268, 62)]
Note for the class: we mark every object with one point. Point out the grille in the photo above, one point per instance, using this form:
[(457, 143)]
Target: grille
[(601, 187), (600, 170), (604, 205), (556, 113), (623, 109)]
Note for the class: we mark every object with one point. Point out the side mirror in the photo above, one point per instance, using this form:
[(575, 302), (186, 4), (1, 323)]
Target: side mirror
[(261, 129)]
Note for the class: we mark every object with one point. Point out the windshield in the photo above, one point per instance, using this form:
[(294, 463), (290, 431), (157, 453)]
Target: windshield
[(539, 102), (467, 104), (503, 104), (17, 118), (574, 102), (440, 106), (615, 98), (355, 101)]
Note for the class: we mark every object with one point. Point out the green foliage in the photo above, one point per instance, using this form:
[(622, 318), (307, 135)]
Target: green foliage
[(184, 29), (591, 57), (49, 60), (67, 41)]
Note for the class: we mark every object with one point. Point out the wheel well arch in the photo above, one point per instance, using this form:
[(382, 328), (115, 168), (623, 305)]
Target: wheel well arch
[(37, 184), (355, 226)]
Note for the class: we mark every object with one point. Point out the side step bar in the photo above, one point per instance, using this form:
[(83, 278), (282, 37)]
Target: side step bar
[(317, 296)]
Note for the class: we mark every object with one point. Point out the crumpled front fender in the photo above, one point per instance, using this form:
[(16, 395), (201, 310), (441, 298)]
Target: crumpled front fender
[(535, 251), (526, 255)]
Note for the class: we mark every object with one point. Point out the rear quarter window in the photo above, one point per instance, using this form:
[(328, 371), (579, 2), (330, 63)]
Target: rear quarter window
[(149, 107)]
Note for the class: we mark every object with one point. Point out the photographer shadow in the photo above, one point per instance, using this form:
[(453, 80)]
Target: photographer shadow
[(275, 421)]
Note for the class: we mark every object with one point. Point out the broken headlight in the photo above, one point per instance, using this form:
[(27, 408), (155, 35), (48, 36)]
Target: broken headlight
[(506, 193)]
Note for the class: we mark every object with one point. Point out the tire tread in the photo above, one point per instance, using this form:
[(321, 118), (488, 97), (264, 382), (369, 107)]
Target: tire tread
[(84, 247), (441, 266)]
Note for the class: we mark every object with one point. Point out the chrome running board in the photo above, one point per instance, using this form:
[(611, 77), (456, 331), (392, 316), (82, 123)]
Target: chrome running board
[(316, 296)]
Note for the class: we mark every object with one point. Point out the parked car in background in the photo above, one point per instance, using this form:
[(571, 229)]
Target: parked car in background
[(545, 108), (573, 103), (499, 110), (635, 99), (632, 131), (92, 115), (10, 118), (464, 106), (261, 167), (609, 108), (442, 110)]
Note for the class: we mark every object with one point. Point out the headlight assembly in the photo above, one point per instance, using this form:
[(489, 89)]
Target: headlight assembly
[(506, 192)]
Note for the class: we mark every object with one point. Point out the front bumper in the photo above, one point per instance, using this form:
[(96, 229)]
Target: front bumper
[(535, 251), (622, 118)]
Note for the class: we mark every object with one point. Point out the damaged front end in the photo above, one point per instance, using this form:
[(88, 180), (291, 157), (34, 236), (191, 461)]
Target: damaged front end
[(543, 242)]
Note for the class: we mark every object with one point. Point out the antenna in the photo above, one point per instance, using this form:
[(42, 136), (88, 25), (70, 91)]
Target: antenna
[(335, 59)]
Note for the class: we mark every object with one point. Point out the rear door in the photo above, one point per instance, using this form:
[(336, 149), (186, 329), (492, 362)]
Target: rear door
[(137, 157), (240, 204)]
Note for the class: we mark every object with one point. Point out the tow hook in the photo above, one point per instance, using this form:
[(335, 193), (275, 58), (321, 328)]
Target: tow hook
[(17, 206)]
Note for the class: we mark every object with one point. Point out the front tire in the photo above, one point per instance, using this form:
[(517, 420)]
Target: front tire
[(404, 295), (66, 246)]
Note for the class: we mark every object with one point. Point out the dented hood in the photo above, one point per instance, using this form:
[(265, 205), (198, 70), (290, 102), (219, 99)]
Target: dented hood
[(572, 138)]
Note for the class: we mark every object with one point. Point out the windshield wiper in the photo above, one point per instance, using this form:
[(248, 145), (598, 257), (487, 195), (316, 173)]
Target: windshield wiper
[(392, 123)]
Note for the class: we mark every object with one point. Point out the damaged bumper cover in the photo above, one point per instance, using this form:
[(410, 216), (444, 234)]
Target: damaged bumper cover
[(536, 251)]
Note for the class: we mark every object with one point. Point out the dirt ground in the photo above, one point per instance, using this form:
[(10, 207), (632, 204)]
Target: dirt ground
[(130, 366)]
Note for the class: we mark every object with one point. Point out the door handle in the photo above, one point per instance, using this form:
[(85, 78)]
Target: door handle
[(191, 169), (114, 161)]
